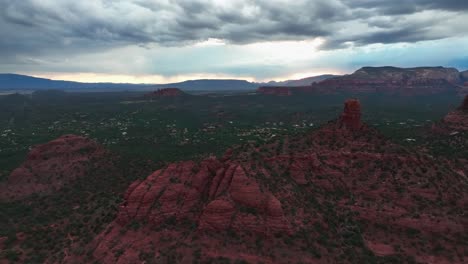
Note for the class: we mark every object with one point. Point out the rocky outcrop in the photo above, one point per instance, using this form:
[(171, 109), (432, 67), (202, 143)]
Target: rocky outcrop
[(351, 116), (300, 199), (165, 92), (216, 199), (49, 167)]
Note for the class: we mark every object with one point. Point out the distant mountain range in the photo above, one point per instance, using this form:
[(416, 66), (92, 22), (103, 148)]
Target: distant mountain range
[(301, 82), (24, 82), (373, 79)]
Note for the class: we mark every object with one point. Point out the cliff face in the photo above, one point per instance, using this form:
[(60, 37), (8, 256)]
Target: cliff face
[(49, 167), (306, 199), (388, 80)]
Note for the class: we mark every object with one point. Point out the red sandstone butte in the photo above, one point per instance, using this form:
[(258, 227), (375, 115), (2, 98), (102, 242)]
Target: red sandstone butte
[(50, 166)]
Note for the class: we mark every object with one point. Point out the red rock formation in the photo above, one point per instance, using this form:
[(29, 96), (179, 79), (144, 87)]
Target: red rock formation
[(50, 166), (351, 116), (388, 80), (180, 189), (303, 199), (165, 92)]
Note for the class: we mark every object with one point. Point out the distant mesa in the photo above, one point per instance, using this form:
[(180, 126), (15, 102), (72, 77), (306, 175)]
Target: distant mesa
[(386, 80), (50, 166), (165, 92)]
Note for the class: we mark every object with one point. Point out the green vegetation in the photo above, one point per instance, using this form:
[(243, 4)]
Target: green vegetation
[(144, 135)]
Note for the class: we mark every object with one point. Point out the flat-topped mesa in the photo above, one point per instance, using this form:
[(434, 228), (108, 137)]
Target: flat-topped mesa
[(351, 116)]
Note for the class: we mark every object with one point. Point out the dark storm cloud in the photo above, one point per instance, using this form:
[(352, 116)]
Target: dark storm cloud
[(60, 27), (396, 7)]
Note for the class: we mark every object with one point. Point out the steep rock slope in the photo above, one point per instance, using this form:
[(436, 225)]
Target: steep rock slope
[(50, 166), (342, 194)]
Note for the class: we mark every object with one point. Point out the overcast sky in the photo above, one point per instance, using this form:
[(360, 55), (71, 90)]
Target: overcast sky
[(159, 41)]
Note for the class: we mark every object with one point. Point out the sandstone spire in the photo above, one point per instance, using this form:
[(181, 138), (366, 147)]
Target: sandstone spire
[(351, 116)]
